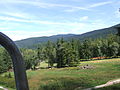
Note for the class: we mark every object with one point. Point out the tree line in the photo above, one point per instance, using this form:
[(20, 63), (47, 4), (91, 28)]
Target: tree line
[(65, 53), (70, 53)]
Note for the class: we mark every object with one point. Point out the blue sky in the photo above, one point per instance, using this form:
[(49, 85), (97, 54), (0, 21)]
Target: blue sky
[(20, 19)]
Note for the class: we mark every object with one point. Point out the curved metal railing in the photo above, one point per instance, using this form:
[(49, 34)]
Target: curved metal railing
[(18, 64)]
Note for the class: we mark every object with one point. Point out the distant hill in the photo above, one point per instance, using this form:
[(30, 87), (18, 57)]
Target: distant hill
[(101, 33), (32, 42)]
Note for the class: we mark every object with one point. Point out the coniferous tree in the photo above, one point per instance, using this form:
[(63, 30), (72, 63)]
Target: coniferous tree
[(7, 59), (118, 38), (67, 53), (41, 53), (50, 53), (118, 30), (114, 47), (61, 53), (30, 58), (87, 49), (72, 54), (3, 67)]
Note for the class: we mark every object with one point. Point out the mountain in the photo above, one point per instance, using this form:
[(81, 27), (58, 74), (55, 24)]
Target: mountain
[(101, 33), (32, 42)]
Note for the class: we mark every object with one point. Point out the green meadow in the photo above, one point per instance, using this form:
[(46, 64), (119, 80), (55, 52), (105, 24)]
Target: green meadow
[(97, 72)]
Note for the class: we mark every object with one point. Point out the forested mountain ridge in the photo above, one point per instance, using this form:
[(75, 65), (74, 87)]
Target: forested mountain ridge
[(98, 33), (31, 42)]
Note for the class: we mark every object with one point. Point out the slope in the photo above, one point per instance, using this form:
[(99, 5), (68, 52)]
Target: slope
[(101, 33)]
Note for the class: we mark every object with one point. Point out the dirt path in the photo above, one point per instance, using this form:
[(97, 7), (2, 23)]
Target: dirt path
[(3, 88), (103, 85)]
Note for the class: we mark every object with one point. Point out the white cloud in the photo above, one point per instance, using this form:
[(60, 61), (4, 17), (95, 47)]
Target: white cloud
[(58, 23), (75, 28), (34, 3), (16, 14), (13, 19), (3, 28), (100, 4), (41, 4), (22, 34), (14, 35), (73, 9), (84, 18), (67, 7), (89, 7), (40, 21), (18, 35)]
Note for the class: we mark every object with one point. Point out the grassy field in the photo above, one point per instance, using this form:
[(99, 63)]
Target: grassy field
[(97, 72)]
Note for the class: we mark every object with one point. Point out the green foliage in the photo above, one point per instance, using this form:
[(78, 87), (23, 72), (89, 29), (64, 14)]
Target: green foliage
[(32, 42), (61, 53), (50, 53), (86, 49), (114, 49), (47, 53), (72, 54), (30, 58), (118, 30), (5, 61), (66, 54)]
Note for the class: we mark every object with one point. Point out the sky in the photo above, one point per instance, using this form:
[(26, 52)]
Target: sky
[(20, 19)]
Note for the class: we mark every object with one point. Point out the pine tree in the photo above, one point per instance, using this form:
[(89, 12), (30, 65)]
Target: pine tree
[(30, 58), (86, 49), (72, 54), (61, 53), (114, 47), (41, 53), (67, 53), (50, 53), (118, 34), (7, 59), (118, 30)]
